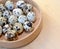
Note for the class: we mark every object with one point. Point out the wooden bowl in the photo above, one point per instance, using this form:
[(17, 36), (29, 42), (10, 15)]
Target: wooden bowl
[(24, 38)]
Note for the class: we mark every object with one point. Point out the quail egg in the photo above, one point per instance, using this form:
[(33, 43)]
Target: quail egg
[(6, 28), (27, 8), (9, 5), (11, 35), (6, 14), (20, 4), (17, 12), (18, 27), (2, 8), (2, 21), (31, 16), (12, 20), (28, 26), (22, 19), (0, 30)]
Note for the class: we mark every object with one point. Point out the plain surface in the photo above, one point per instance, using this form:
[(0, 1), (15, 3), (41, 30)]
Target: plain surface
[(49, 37)]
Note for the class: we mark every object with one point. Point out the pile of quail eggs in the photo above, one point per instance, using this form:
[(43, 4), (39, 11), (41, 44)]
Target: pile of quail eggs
[(15, 18)]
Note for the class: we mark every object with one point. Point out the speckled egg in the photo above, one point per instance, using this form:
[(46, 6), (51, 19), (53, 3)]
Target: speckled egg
[(2, 21), (22, 19), (0, 30), (28, 26), (17, 12), (27, 8), (6, 28), (2, 8), (6, 14), (11, 35), (31, 16), (1, 14), (12, 20), (18, 27), (20, 4), (9, 5)]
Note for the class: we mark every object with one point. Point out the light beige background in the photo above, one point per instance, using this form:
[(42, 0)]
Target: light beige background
[(49, 37)]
